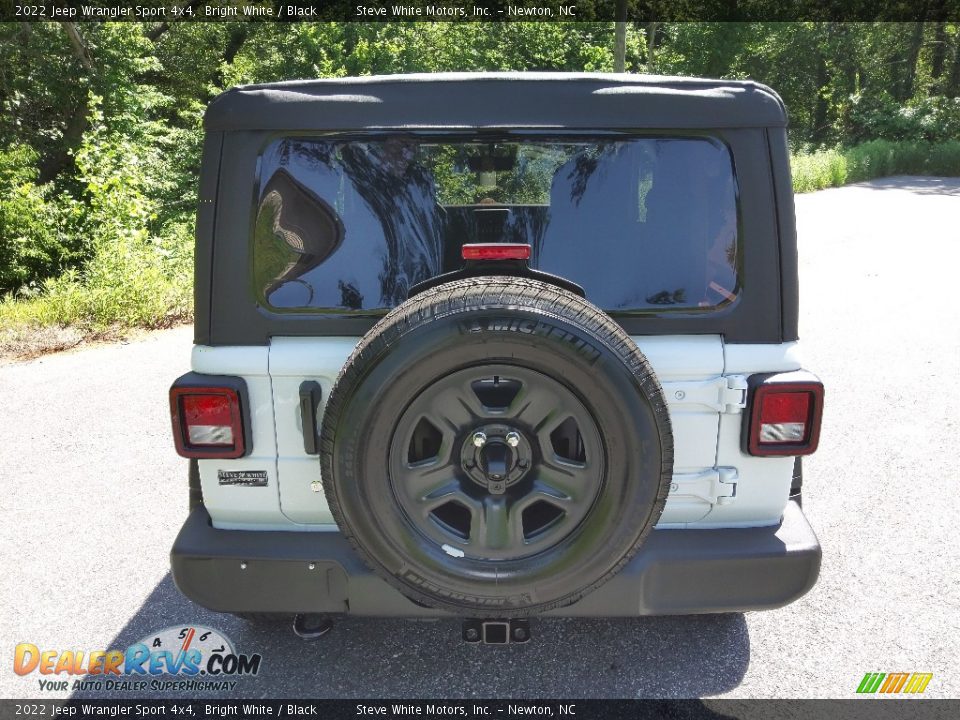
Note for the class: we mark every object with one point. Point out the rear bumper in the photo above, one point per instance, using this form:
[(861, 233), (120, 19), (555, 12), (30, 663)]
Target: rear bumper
[(677, 572)]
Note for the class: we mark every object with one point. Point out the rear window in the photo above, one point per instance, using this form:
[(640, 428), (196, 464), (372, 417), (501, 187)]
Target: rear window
[(349, 225)]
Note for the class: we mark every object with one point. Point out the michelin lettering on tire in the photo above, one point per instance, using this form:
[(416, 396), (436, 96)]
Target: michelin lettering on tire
[(537, 328)]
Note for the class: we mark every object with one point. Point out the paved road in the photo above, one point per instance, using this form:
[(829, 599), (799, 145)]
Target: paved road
[(92, 496)]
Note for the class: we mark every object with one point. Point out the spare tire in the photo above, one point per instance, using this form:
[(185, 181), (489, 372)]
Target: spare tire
[(496, 447)]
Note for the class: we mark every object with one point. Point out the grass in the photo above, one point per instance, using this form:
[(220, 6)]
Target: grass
[(874, 159), (129, 284)]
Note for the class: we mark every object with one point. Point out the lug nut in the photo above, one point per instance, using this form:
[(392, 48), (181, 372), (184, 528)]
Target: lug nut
[(513, 439), (479, 439)]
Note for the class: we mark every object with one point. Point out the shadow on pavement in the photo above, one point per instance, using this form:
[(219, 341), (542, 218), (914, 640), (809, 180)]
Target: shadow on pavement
[(662, 657), (916, 184)]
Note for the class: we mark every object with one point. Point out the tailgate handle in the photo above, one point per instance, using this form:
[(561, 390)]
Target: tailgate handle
[(310, 395)]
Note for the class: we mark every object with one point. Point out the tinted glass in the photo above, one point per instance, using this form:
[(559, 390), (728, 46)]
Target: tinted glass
[(642, 223)]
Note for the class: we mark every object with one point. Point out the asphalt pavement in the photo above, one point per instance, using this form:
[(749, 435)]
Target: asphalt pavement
[(93, 495)]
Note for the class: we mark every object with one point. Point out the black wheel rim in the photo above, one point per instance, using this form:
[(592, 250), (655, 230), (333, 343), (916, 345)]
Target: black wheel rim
[(496, 462)]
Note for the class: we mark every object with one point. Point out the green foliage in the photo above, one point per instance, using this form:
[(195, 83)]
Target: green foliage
[(279, 52), (107, 241), (127, 283), (38, 85), (931, 119), (33, 245), (827, 73), (132, 277), (877, 158), (818, 170)]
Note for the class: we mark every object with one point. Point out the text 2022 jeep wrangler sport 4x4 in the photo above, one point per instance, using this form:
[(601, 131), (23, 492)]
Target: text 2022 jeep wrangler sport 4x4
[(496, 345)]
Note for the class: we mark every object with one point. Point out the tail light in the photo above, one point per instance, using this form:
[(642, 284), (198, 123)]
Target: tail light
[(208, 419), (785, 413), (496, 251)]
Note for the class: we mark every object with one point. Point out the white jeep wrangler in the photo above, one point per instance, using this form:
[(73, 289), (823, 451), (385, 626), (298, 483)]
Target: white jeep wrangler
[(496, 345)]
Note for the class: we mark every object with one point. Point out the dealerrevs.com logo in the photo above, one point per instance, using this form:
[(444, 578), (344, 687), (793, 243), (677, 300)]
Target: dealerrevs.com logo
[(200, 657)]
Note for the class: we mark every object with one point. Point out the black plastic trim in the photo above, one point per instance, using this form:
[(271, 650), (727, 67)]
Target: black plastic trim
[(786, 232), (676, 572), (207, 204), (796, 483), (193, 483), (310, 395), (238, 384)]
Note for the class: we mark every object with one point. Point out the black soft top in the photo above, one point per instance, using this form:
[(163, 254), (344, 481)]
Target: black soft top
[(504, 100)]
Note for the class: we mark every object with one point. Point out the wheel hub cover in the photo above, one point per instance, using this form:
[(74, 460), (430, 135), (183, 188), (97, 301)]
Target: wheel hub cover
[(496, 464)]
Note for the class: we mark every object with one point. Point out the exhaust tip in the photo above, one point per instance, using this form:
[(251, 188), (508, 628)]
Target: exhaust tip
[(311, 627)]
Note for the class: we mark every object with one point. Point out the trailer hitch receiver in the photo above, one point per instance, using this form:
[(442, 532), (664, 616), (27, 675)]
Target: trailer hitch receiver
[(496, 631)]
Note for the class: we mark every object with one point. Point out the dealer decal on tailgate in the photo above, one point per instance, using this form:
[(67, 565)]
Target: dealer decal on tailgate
[(247, 478)]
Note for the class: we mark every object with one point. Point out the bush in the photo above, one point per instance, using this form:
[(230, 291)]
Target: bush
[(928, 119), (130, 282), (33, 245), (133, 277), (817, 170), (877, 158)]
